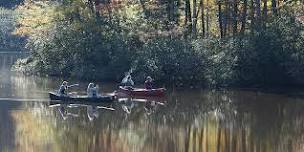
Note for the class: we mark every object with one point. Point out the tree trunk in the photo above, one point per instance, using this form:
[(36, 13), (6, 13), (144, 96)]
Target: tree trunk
[(197, 13), (203, 18), (170, 10), (188, 21), (258, 11), (220, 18), (208, 18), (235, 14), (244, 16), (226, 18), (97, 4), (274, 7), (252, 18), (264, 10), (194, 18)]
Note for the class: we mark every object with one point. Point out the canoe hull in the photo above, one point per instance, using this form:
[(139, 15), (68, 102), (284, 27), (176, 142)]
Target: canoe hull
[(143, 92), (73, 99)]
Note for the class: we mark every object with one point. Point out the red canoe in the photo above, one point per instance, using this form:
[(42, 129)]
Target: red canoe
[(142, 92)]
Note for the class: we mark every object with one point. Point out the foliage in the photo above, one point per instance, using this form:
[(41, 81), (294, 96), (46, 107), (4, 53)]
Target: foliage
[(76, 38), (273, 56), (170, 60), (8, 41), (70, 44)]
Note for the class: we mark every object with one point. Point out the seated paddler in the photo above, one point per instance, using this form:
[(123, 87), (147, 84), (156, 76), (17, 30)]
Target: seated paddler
[(92, 90), (127, 81), (149, 82), (63, 89)]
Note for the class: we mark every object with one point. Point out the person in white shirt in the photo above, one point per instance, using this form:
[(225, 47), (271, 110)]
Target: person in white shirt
[(92, 91)]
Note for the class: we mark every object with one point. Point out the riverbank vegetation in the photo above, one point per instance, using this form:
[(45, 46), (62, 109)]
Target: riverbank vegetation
[(8, 41), (199, 43)]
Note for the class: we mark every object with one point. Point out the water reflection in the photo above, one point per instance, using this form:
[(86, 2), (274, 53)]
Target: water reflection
[(197, 120), (63, 110), (7, 127), (92, 112), (127, 105), (150, 107)]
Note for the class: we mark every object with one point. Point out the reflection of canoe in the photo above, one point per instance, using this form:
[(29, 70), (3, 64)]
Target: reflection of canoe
[(79, 99), (142, 92), (156, 100)]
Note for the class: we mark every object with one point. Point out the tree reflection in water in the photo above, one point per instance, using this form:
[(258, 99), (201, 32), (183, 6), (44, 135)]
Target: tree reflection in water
[(214, 121)]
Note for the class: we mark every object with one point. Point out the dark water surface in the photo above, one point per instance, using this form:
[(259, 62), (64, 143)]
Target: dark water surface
[(195, 120)]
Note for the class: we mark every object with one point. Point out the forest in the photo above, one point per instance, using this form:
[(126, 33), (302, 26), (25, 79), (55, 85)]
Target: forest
[(182, 43)]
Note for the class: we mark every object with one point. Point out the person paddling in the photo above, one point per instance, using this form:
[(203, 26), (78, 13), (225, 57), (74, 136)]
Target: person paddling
[(92, 91), (149, 83), (127, 81), (63, 89)]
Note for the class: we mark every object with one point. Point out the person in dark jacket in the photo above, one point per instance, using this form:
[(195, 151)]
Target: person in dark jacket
[(149, 83), (63, 89)]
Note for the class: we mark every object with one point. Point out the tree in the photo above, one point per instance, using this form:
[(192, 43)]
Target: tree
[(194, 19), (220, 18), (188, 19), (274, 7), (244, 16), (203, 17), (264, 10), (207, 18), (235, 17)]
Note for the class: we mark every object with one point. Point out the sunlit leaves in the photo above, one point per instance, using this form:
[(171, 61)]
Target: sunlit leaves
[(7, 23), (36, 18)]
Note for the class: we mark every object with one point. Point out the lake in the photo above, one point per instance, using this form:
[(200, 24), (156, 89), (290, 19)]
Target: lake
[(193, 120)]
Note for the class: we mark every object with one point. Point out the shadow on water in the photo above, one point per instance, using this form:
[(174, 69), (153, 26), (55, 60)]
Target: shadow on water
[(7, 126)]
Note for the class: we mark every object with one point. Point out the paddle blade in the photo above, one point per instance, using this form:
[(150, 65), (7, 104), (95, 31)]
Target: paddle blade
[(107, 108), (73, 85)]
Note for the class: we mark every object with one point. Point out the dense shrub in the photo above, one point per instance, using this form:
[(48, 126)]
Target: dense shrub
[(272, 56), (170, 60), (71, 40)]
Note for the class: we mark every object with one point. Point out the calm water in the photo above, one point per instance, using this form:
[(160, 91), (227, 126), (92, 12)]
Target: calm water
[(196, 120)]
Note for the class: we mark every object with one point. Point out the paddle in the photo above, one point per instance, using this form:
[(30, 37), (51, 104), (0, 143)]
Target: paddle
[(107, 108), (55, 105), (73, 85)]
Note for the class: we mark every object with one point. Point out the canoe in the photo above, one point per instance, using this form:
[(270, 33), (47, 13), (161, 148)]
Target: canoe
[(79, 99), (142, 92)]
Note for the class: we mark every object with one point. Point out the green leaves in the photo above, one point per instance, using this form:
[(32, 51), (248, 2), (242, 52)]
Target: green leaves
[(74, 38)]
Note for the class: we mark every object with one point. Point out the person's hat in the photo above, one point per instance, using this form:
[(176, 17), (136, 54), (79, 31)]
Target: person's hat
[(149, 78), (91, 85), (65, 82)]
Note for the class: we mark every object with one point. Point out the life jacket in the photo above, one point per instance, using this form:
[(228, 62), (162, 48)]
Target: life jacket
[(148, 85)]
